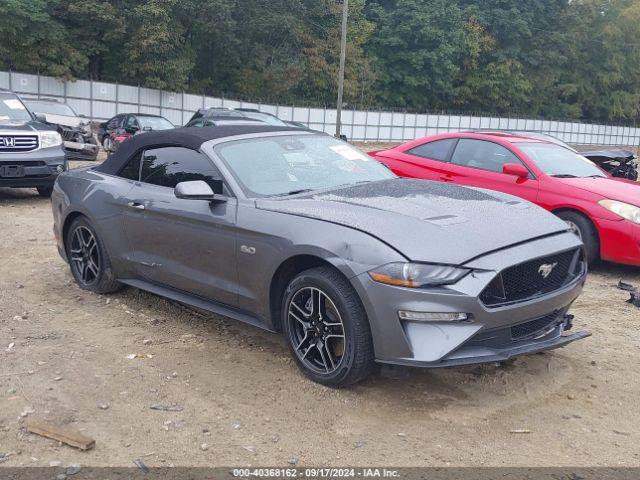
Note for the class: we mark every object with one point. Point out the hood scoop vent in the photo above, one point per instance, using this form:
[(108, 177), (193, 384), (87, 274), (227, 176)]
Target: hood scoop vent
[(445, 220), (517, 204)]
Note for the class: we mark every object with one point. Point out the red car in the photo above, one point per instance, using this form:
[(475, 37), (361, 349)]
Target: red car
[(603, 211)]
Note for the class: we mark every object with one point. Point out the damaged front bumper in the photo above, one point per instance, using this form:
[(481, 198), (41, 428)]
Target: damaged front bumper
[(488, 333), (474, 352), (81, 151)]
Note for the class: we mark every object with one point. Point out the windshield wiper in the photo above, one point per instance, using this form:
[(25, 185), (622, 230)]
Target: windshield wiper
[(294, 192), (564, 175)]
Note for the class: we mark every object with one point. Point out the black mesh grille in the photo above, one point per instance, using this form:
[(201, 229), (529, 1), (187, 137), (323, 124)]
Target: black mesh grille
[(533, 278), (68, 134), (533, 327)]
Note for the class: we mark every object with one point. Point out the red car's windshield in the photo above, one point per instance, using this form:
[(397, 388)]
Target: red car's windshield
[(558, 161)]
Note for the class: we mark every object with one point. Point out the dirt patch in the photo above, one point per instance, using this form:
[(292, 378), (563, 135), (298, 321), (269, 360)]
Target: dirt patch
[(236, 398)]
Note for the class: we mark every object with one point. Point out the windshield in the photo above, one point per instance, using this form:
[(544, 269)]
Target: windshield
[(282, 165), (52, 108), (11, 108), (559, 162), (154, 123), (266, 118)]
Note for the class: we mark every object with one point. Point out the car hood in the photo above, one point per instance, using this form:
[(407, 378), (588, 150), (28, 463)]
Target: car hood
[(611, 154), (64, 120), (23, 127), (426, 221), (628, 192)]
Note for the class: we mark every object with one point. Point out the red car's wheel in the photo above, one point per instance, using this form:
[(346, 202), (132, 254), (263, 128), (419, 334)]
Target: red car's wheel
[(583, 227)]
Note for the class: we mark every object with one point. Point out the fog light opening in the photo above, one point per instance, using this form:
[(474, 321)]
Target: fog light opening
[(433, 316)]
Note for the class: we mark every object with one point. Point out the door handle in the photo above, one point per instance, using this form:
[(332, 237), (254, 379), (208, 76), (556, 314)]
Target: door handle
[(446, 178), (136, 205)]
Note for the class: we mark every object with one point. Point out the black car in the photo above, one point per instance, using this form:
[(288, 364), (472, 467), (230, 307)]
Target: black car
[(124, 125), (79, 141), (31, 154), (222, 121), (247, 113)]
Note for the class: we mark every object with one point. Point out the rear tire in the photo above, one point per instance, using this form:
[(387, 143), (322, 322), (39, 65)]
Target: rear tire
[(45, 191), (583, 227), (88, 258), (328, 330)]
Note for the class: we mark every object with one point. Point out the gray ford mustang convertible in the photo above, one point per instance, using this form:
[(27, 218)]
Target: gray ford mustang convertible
[(295, 231)]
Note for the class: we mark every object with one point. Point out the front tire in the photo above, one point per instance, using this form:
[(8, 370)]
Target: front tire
[(88, 258), (327, 328), (583, 227)]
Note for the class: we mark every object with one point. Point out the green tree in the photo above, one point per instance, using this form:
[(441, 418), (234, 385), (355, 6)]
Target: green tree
[(94, 28), (32, 40), (421, 47), (553, 58)]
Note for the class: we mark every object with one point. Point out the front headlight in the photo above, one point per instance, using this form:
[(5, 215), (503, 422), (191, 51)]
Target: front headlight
[(50, 139), (624, 210), (417, 275)]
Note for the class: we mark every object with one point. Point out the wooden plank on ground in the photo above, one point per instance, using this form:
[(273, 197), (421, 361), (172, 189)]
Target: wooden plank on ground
[(61, 434)]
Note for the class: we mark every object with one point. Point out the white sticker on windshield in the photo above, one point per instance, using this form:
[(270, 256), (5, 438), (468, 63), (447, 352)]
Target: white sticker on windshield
[(349, 153), (14, 104)]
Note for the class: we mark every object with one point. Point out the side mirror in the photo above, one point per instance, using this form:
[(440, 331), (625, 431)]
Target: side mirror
[(198, 190), (514, 169), (41, 117)]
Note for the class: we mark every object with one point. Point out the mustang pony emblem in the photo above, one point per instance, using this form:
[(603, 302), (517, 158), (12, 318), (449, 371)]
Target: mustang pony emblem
[(546, 269)]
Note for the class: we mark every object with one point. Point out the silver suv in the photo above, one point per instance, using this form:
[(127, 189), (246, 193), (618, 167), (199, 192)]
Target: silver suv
[(31, 153)]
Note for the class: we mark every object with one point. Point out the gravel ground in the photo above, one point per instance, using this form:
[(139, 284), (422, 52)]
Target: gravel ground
[(238, 399)]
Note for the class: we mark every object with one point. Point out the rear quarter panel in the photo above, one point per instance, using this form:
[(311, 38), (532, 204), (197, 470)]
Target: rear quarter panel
[(98, 197)]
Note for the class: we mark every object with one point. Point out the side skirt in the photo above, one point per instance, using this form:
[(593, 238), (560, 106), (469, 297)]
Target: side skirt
[(197, 302)]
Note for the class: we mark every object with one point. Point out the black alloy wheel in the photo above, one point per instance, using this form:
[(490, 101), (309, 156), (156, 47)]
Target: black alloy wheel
[(327, 328), (88, 259), (84, 256), (316, 330)]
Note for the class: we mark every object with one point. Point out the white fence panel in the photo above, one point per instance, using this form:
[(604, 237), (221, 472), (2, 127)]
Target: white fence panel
[(101, 100), (128, 94), (51, 87)]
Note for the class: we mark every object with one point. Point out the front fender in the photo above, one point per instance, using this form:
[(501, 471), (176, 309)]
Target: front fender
[(275, 238)]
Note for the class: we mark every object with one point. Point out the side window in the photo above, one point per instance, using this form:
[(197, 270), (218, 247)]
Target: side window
[(438, 150), (131, 122), (131, 170), (114, 122), (482, 154), (195, 123), (169, 166)]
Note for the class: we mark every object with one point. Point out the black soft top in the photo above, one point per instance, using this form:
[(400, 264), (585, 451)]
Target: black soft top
[(191, 137)]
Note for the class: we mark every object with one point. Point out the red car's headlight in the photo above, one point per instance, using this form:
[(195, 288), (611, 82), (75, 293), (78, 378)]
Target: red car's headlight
[(624, 210)]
